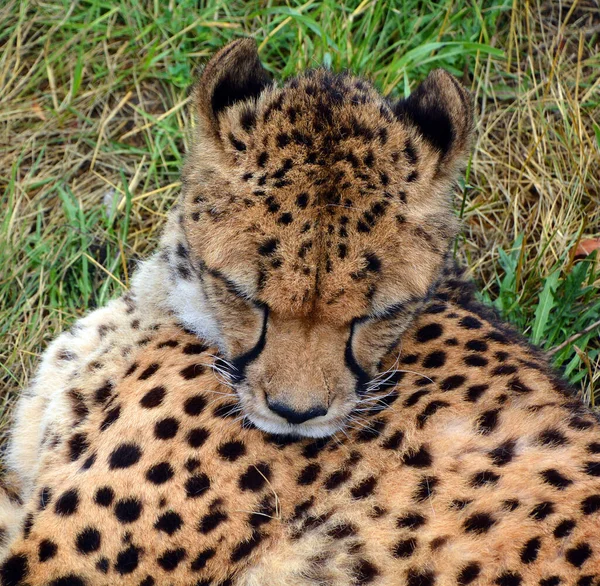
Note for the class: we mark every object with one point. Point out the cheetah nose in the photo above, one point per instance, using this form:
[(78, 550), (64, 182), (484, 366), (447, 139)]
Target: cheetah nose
[(293, 416)]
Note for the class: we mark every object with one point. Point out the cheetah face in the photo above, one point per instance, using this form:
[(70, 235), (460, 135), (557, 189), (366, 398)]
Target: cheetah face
[(318, 218)]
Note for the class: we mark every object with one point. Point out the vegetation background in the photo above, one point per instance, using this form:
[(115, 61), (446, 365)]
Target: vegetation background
[(95, 119)]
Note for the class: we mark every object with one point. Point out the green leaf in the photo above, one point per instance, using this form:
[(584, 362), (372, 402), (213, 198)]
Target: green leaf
[(545, 305)]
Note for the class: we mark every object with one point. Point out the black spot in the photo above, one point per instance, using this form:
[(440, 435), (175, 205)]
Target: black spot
[(580, 424), (555, 478), (452, 382), (197, 485), (404, 548), (365, 488), (169, 523), (594, 448), (362, 227), (591, 504), (27, 525), (564, 528), (211, 521), (504, 453), (504, 369), (475, 360), (268, 247), (103, 393), (551, 581), (104, 496), (342, 531), (426, 488), (435, 359), (470, 323), (128, 510), (419, 459), (200, 562), (283, 140), (248, 120), (45, 497), (124, 456), (195, 348), (541, 511), (411, 521), (285, 219), (237, 144), (415, 397), (477, 345), (518, 386), (192, 371), (226, 410), (430, 410), (468, 574), (365, 572), (46, 550), (149, 371), (372, 431), (14, 570), (197, 437), (160, 473), (262, 159), (394, 441), (373, 262), (483, 478), (171, 558), (153, 398), (231, 451), (336, 479), (165, 429), (77, 445), (420, 578), (530, 550), (479, 523), (302, 200), (342, 250), (579, 554), (128, 560), (309, 474), (67, 503), (88, 540), (474, 392), (488, 421), (552, 438), (508, 579), (110, 418), (592, 468), (193, 406), (68, 580)]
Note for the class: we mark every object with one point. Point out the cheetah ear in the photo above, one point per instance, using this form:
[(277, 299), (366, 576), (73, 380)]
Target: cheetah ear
[(442, 110), (234, 74)]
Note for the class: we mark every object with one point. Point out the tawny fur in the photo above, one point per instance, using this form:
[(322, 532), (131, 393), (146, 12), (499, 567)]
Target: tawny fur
[(465, 461)]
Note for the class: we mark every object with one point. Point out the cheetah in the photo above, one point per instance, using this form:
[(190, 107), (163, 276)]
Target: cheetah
[(300, 387)]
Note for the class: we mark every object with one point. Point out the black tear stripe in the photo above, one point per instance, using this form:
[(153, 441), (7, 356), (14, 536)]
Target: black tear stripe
[(362, 378), (241, 362)]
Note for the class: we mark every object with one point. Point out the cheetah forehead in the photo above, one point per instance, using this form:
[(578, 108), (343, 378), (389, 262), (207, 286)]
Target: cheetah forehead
[(318, 196)]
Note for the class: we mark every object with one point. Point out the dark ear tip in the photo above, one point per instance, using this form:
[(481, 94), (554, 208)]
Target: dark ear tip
[(442, 109)]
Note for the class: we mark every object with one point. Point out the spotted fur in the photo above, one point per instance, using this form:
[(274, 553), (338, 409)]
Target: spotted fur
[(138, 457)]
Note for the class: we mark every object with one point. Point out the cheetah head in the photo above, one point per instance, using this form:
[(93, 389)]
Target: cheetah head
[(317, 219)]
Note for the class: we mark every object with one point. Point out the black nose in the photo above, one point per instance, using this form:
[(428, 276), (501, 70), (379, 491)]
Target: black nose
[(294, 416)]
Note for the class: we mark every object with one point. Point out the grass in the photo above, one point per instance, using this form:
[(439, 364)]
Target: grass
[(94, 123)]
